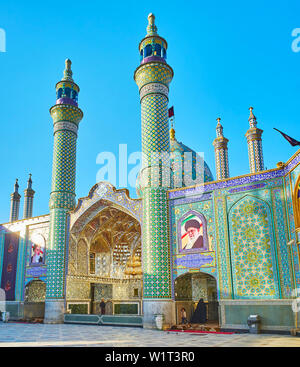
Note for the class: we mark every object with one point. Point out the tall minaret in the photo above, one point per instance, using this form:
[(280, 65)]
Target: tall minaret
[(28, 199), (153, 77), (255, 153), (66, 117), (15, 203), (221, 153)]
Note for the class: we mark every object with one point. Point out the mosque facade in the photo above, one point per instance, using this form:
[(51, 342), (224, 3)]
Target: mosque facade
[(232, 241)]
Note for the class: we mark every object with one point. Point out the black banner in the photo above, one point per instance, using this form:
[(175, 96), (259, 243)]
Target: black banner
[(10, 262)]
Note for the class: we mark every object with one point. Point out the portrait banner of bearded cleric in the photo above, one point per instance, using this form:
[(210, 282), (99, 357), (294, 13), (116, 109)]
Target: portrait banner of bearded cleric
[(193, 234)]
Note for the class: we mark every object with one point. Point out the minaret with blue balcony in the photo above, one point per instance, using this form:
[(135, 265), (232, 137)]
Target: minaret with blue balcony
[(66, 116), (153, 77)]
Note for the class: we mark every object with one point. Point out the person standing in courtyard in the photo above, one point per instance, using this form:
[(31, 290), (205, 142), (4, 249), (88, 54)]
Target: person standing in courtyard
[(102, 307), (199, 316), (183, 316)]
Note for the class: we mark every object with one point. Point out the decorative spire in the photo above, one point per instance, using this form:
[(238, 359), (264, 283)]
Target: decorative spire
[(16, 186), (29, 182), (68, 72), (252, 118), (66, 89), (221, 153), (14, 203), (151, 28), (172, 132), (219, 128), (254, 141), (28, 199)]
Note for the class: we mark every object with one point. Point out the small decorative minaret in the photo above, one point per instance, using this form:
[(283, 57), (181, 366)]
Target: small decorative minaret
[(255, 152), (15, 203), (28, 199), (153, 77), (221, 153), (66, 117)]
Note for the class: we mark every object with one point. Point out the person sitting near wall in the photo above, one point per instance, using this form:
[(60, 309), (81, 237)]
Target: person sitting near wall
[(102, 306), (183, 316)]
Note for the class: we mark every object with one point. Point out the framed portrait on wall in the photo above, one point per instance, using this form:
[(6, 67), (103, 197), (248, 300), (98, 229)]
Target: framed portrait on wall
[(192, 233), (37, 254)]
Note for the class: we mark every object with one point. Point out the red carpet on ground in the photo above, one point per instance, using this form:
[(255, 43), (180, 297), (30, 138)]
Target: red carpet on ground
[(200, 332)]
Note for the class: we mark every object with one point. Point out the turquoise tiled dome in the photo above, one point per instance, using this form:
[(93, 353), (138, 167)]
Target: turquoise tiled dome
[(177, 152), (178, 149)]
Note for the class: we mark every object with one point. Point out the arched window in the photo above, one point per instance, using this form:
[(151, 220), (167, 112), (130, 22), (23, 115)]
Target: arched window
[(157, 50), (92, 263), (68, 92), (164, 53), (148, 51), (59, 93), (74, 95)]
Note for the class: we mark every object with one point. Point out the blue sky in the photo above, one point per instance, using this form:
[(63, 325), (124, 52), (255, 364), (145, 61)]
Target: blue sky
[(226, 57)]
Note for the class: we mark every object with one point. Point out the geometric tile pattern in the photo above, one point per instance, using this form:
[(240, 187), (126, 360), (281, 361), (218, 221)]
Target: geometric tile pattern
[(252, 250), (66, 112), (62, 198), (153, 73), (155, 129), (255, 152), (64, 161), (221, 157), (285, 271), (56, 254), (156, 250), (155, 140)]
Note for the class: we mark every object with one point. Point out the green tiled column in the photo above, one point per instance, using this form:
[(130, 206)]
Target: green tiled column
[(153, 77), (66, 117)]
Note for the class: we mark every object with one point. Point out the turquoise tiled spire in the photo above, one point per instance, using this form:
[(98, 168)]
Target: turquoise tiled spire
[(153, 77), (66, 117)]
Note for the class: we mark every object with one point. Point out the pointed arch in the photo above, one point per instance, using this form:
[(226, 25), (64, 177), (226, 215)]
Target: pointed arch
[(252, 249)]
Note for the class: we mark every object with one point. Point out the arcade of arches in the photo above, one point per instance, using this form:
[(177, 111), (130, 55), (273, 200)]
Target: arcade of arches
[(105, 263)]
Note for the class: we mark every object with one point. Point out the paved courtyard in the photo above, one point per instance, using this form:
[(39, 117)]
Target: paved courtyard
[(40, 335)]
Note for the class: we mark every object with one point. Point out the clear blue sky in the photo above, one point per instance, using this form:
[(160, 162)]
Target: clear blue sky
[(226, 55)]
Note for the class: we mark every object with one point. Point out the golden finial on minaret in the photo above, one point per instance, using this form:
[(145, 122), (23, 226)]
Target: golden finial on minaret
[(68, 72), (151, 19), (172, 132), (151, 28), (251, 114)]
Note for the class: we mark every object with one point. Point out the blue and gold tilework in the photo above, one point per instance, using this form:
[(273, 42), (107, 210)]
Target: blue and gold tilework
[(155, 140), (66, 118), (153, 72)]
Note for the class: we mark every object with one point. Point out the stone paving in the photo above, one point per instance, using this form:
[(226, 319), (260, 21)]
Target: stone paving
[(25, 335)]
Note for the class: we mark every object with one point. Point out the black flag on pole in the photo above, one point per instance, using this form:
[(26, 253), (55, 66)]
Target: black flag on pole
[(292, 141), (171, 112)]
